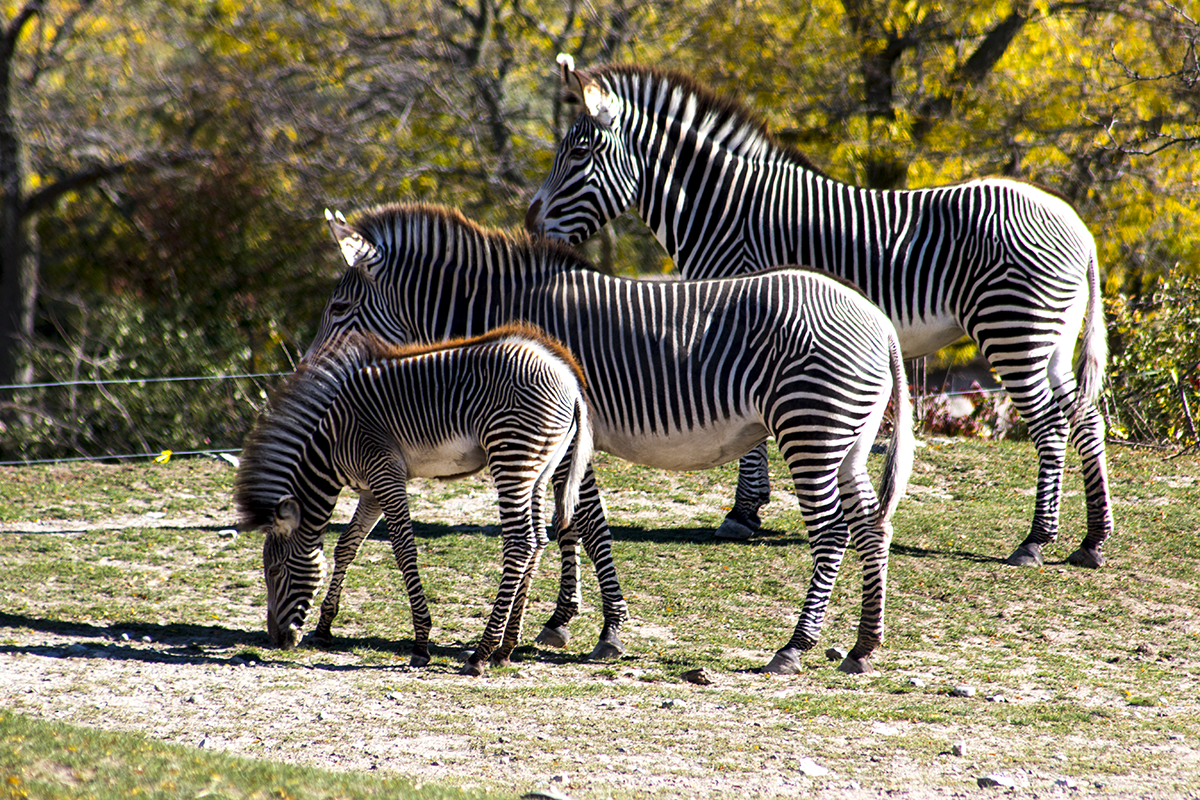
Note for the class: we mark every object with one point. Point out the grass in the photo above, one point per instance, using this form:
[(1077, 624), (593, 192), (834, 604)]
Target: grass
[(50, 760), (1087, 675)]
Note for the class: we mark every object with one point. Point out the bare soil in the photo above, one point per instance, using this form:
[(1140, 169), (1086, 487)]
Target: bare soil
[(584, 730)]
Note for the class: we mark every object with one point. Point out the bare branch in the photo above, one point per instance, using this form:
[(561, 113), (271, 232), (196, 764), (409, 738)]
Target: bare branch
[(45, 197)]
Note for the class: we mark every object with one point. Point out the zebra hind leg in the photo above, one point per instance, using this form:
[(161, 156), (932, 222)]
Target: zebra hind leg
[(590, 526), (502, 657), (516, 619), (1088, 438), (555, 632), (828, 537), (1048, 428), (753, 492)]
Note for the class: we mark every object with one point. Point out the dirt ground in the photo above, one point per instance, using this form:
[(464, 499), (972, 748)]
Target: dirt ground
[(583, 730)]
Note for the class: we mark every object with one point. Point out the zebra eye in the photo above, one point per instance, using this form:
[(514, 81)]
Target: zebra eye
[(338, 308), (581, 151)]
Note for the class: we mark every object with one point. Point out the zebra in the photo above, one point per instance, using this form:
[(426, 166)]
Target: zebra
[(680, 375), (361, 414), (1006, 263)]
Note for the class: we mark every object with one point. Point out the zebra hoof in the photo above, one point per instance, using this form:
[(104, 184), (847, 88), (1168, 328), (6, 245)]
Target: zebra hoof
[(473, 668), (553, 637), (1027, 555), (733, 529), (1089, 559), (419, 660), (322, 640), (785, 662), (856, 666), (606, 651)]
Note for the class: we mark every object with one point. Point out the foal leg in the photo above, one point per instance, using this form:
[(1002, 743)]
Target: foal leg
[(389, 484), (366, 515), (516, 619), (555, 632)]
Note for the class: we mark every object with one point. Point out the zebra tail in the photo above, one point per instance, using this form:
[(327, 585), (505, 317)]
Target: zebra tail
[(1091, 368), (897, 464), (567, 495)]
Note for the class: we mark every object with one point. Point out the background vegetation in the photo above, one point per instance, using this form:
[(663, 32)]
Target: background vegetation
[(164, 164)]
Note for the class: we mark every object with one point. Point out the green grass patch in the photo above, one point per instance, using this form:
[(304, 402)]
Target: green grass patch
[(47, 759)]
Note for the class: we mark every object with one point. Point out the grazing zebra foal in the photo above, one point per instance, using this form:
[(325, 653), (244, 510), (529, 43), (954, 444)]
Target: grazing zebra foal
[(681, 375), (369, 416), (1011, 266)]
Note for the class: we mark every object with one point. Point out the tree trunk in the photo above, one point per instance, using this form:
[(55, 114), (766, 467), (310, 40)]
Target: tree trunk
[(18, 265)]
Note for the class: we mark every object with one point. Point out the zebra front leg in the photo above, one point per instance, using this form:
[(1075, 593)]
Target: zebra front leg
[(753, 492), (555, 632), (366, 515), (389, 484)]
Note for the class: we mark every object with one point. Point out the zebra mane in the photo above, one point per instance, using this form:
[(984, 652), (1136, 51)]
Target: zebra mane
[(380, 225), (380, 350), (708, 102), (280, 434)]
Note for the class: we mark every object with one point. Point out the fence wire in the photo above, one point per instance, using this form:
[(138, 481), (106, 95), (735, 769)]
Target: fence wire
[(921, 399)]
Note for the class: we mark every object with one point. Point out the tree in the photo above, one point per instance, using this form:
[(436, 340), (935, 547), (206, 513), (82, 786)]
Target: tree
[(82, 156)]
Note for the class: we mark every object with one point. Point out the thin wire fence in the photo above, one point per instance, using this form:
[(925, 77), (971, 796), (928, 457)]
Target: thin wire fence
[(922, 396)]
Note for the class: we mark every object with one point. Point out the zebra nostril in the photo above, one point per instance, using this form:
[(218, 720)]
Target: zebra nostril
[(532, 222)]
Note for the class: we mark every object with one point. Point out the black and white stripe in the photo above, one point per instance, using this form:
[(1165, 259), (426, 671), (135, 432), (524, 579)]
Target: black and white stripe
[(1006, 263), (680, 375), (367, 416)]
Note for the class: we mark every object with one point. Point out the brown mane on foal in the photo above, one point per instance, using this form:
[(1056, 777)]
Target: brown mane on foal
[(377, 349)]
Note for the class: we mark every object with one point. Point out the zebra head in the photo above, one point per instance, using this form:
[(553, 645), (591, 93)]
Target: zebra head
[(353, 297), (293, 572), (595, 176)]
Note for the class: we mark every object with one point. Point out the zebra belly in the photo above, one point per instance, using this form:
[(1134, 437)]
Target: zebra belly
[(922, 337), (449, 459), (700, 448)]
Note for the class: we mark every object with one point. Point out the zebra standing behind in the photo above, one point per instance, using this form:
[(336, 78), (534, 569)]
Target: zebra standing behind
[(1007, 264), (361, 414), (680, 375)]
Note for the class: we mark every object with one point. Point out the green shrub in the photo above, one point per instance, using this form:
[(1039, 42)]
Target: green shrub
[(1154, 390)]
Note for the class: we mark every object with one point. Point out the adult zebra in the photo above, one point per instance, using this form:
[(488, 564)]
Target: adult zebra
[(1008, 264), (360, 414), (680, 375)]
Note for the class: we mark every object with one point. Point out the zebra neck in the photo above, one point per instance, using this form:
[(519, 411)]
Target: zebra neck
[(706, 199), (469, 297)]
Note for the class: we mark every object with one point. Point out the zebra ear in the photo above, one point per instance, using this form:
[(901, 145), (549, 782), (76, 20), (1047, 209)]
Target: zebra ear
[(287, 517), (353, 246), (571, 78)]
